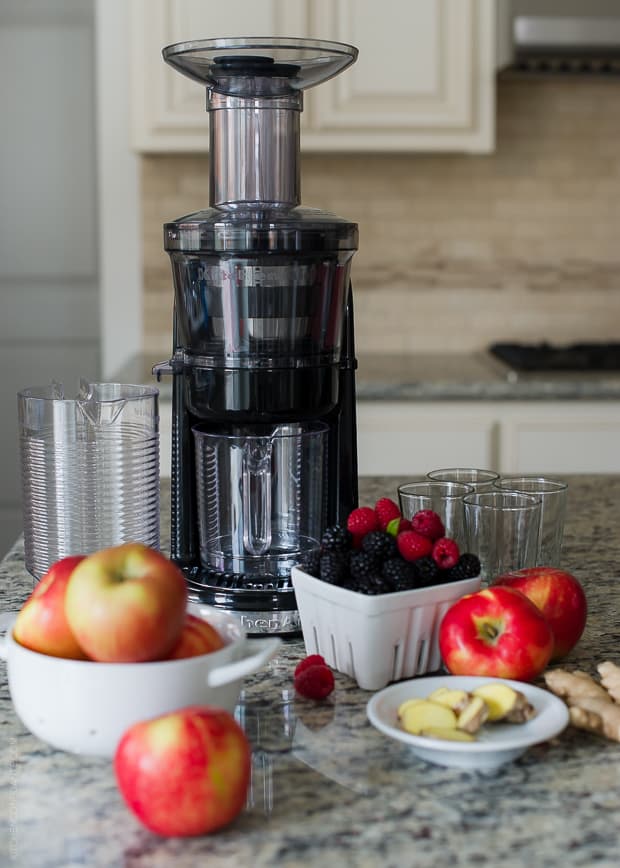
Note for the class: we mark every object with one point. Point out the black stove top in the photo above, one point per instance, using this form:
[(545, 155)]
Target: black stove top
[(546, 357)]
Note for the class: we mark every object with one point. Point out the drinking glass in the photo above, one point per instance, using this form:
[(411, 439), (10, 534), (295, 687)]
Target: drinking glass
[(502, 528), (89, 469), (444, 498), (480, 480), (553, 495)]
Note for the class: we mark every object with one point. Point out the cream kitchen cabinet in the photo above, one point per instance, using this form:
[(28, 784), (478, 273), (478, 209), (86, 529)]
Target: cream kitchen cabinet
[(424, 80), (411, 438)]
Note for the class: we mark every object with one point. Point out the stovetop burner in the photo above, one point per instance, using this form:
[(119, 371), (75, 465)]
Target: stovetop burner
[(546, 357)]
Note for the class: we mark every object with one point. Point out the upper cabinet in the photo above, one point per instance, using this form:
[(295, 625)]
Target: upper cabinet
[(424, 79)]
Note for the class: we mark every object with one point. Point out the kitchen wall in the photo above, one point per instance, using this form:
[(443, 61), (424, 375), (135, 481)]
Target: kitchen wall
[(455, 251)]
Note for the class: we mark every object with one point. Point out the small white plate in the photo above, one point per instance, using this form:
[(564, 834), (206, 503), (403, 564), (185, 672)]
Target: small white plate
[(496, 743)]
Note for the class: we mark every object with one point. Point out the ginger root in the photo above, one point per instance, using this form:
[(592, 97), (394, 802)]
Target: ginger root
[(475, 713), (591, 705), (610, 678)]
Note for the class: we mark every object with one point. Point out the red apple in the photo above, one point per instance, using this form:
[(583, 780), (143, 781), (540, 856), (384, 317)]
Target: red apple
[(560, 598), (126, 604), (41, 624), (184, 773), (496, 632), (197, 637)]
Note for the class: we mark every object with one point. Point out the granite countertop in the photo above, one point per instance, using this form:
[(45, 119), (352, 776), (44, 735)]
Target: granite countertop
[(438, 377), (327, 788)]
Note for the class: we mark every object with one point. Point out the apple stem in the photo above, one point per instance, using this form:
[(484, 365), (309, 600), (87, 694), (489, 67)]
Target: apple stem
[(489, 632)]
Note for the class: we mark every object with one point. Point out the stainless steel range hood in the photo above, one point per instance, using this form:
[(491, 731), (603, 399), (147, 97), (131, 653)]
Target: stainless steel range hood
[(554, 37)]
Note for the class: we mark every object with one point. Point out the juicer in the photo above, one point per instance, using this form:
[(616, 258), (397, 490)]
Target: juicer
[(264, 452)]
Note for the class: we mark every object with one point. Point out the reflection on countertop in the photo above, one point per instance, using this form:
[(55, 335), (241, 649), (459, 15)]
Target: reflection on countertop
[(476, 376)]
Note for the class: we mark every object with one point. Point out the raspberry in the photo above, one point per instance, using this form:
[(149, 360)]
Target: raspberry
[(468, 567), (398, 525), (310, 660), (360, 522), (413, 545), (380, 545), (386, 510), (428, 523), (336, 538), (445, 553), (314, 682)]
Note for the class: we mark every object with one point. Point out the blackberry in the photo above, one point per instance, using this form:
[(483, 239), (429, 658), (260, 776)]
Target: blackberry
[(334, 567), (427, 571), (468, 567), (310, 562), (336, 539), (363, 565), (399, 573), (380, 544), (371, 585)]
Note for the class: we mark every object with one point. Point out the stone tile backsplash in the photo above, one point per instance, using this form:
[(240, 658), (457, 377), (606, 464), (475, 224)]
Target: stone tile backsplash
[(456, 251)]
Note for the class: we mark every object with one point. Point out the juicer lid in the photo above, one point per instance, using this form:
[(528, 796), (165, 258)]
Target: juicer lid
[(246, 65)]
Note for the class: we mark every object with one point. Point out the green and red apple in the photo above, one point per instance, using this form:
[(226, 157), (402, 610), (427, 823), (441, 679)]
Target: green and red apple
[(126, 604), (559, 596), (197, 637), (496, 632), (186, 772), (41, 623)]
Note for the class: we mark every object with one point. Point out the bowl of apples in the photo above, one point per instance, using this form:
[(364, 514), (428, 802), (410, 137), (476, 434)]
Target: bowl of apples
[(108, 640)]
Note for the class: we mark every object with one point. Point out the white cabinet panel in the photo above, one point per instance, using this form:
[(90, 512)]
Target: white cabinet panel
[(413, 437), (580, 437), (424, 80), (409, 439)]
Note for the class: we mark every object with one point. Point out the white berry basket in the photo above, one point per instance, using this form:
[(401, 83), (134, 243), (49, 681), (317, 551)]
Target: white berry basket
[(375, 639)]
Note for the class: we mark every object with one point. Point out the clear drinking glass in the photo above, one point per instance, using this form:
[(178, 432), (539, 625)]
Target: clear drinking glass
[(502, 528), (480, 480), (553, 494), (260, 496), (89, 469), (444, 498)]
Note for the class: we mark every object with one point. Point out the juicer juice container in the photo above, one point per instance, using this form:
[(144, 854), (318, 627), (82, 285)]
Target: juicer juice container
[(263, 348)]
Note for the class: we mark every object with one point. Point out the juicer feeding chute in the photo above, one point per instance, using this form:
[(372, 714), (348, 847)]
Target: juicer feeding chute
[(263, 330)]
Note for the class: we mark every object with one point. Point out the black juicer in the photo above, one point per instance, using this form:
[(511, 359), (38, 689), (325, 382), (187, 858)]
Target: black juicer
[(264, 452)]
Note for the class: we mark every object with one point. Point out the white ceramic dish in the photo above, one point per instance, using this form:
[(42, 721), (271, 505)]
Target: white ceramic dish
[(378, 639), (84, 707), (496, 743)]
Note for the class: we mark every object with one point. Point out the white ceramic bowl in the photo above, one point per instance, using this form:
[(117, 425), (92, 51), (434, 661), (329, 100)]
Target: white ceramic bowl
[(84, 707), (496, 744)]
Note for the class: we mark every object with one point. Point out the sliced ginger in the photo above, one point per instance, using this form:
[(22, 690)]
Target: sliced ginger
[(456, 715), (447, 734), (475, 713), (425, 714), (592, 706), (505, 703), (453, 698)]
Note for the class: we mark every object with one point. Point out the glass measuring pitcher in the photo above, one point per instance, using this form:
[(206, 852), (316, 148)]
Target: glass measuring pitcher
[(260, 497), (89, 468)]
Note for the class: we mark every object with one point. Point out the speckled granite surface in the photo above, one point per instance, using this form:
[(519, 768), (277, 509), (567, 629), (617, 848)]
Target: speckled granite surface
[(440, 377), (330, 790)]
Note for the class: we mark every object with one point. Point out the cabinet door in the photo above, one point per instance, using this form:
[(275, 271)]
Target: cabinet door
[(411, 438), (424, 79), (575, 437)]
